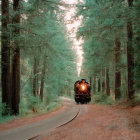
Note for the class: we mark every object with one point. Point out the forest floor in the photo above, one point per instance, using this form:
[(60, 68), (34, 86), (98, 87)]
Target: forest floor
[(96, 122), (101, 123)]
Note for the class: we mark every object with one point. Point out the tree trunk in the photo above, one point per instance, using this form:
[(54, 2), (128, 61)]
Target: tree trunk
[(34, 77), (117, 70), (16, 60), (5, 55), (107, 82), (130, 57), (43, 78), (103, 80), (90, 80), (94, 85), (103, 86), (37, 77), (99, 85)]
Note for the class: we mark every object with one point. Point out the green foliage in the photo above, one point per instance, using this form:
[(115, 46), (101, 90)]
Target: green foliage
[(49, 39), (102, 99), (137, 98), (31, 103), (103, 21), (2, 110), (43, 34)]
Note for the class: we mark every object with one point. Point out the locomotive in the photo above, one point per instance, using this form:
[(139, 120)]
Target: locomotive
[(82, 91)]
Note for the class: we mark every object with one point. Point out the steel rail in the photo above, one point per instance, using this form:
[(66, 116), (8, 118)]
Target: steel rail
[(76, 115), (73, 118)]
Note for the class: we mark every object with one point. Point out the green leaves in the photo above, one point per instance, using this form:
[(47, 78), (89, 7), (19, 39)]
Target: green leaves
[(44, 33)]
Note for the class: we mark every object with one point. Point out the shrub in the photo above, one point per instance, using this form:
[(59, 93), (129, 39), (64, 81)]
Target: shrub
[(102, 99)]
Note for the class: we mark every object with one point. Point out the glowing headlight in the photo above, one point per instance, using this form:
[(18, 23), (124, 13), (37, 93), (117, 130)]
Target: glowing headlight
[(83, 87)]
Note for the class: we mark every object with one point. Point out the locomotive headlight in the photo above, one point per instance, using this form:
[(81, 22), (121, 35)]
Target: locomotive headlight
[(83, 87)]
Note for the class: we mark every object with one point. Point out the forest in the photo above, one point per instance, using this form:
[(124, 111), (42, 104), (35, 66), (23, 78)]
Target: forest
[(111, 34), (39, 64)]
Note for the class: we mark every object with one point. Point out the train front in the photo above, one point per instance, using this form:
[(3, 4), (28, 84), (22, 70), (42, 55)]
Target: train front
[(82, 91)]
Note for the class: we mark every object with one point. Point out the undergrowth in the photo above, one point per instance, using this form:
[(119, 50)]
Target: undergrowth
[(137, 99), (32, 107), (102, 99)]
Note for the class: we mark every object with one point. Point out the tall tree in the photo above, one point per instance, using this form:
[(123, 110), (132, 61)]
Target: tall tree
[(94, 85), (43, 78), (99, 85), (5, 54), (103, 80), (130, 56), (16, 58), (107, 82), (117, 70), (35, 76)]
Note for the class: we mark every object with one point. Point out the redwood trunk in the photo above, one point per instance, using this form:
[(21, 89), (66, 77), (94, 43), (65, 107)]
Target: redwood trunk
[(90, 80), (107, 82), (5, 55), (103, 86), (16, 60), (99, 85), (103, 80), (94, 85), (34, 78), (42, 79), (117, 70), (130, 56)]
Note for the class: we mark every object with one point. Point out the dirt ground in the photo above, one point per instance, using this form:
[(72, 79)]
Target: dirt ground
[(97, 123), (101, 123)]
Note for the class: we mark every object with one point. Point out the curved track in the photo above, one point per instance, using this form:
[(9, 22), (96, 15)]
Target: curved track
[(44, 127), (38, 137), (74, 117)]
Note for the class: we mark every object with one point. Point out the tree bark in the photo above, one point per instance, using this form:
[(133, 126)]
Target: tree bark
[(103, 86), (43, 78), (99, 85), (107, 82), (130, 57), (16, 59), (5, 56), (117, 70), (35, 78), (94, 85), (103, 80), (90, 80)]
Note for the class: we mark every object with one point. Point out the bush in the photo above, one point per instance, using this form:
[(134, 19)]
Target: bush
[(7, 117), (102, 99), (137, 98)]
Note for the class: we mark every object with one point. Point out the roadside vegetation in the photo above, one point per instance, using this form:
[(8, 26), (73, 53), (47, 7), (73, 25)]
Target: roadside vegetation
[(102, 99)]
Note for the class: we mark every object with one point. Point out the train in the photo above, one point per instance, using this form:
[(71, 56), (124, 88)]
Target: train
[(82, 90)]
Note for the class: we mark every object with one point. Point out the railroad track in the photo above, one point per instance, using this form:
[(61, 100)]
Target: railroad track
[(38, 137), (76, 115)]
